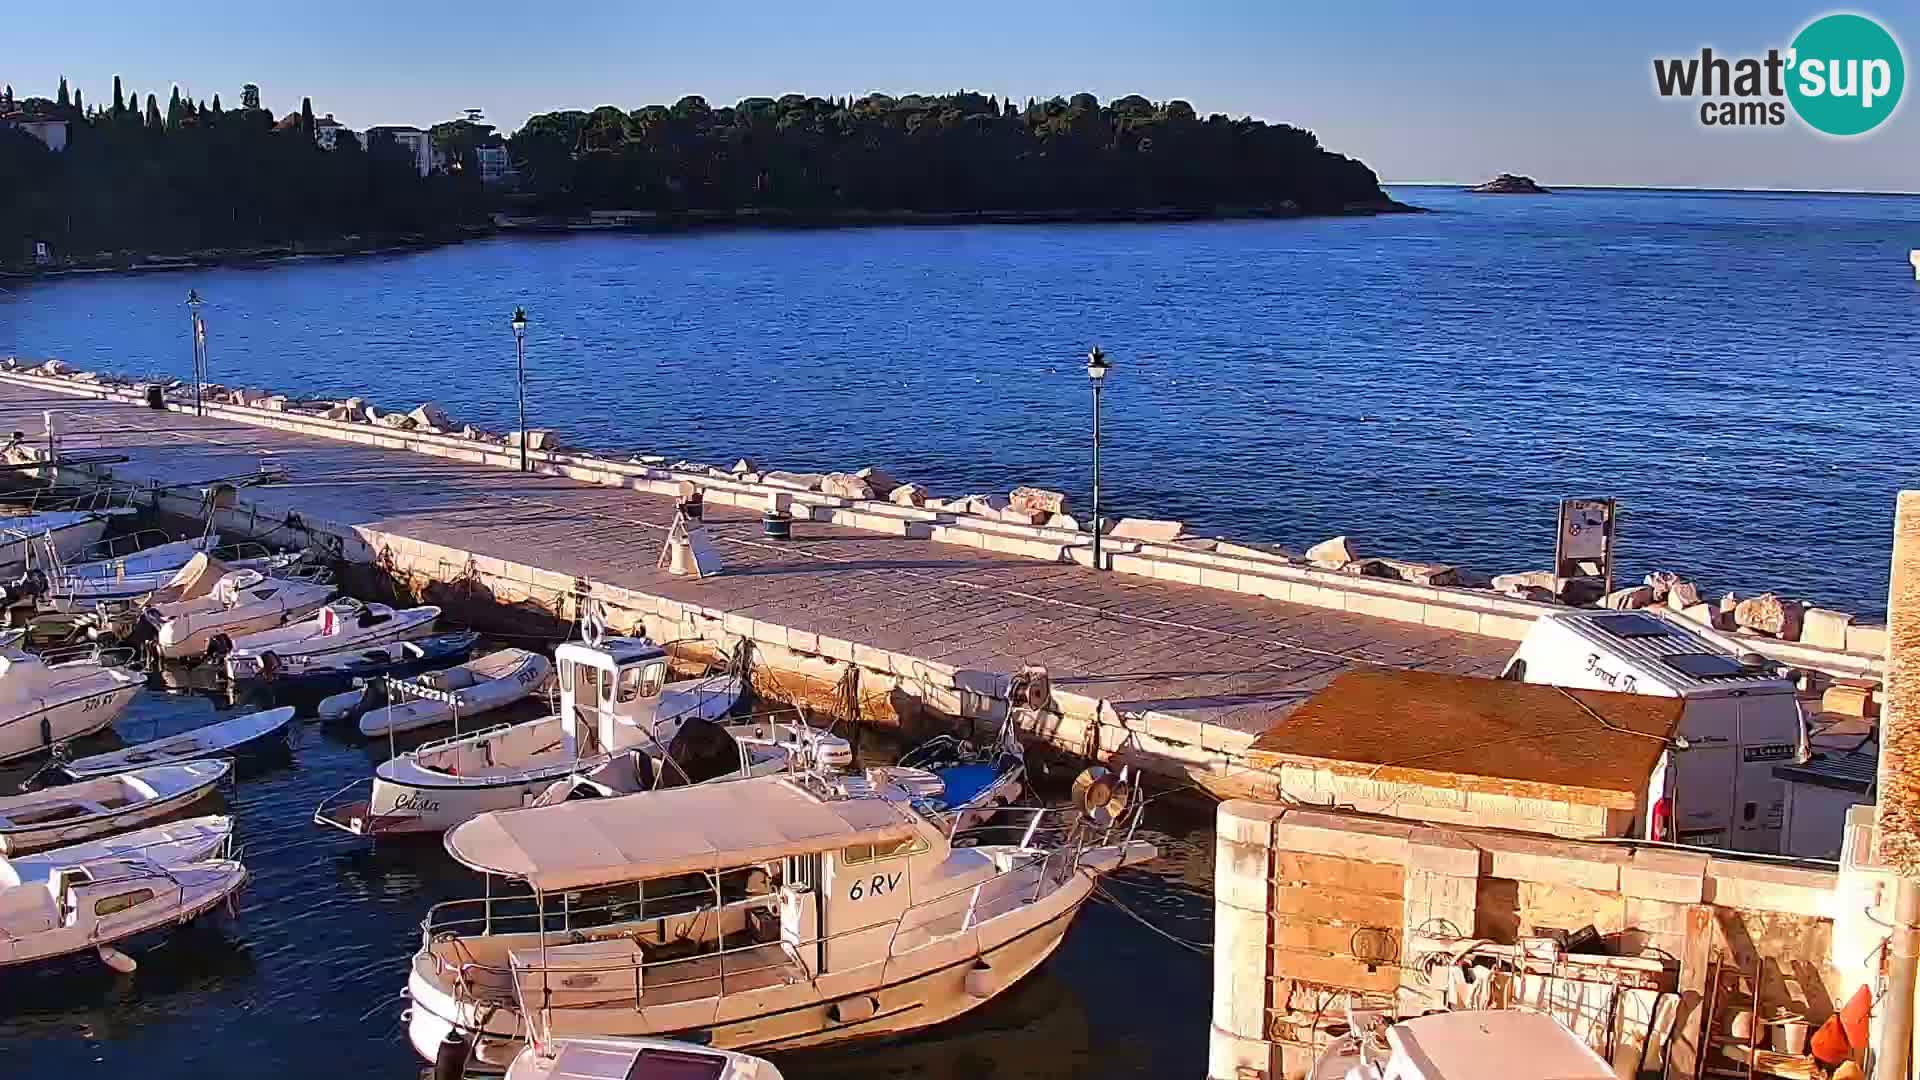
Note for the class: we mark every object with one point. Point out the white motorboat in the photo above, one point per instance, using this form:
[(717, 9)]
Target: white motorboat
[(25, 537), (164, 558), (44, 704), (231, 737), (338, 627), (636, 1059), (772, 913), (491, 682), (616, 731), (241, 602), (105, 805), (1463, 1045), (93, 904), (187, 840)]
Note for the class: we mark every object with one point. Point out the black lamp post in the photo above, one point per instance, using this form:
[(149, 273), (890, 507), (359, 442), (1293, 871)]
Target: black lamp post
[(1097, 367), (520, 356), (199, 342)]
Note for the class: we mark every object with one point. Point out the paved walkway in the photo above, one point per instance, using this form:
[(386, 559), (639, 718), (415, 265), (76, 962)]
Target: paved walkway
[(1203, 654)]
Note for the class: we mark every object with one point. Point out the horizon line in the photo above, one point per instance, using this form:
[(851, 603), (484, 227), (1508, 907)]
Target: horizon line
[(1704, 188)]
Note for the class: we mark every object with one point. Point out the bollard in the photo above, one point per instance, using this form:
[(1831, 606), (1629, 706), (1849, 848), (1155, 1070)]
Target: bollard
[(778, 525)]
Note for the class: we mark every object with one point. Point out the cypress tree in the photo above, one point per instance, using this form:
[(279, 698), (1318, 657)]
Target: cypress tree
[(77, 106), (119, 103), (216, 104), (174, 112), (306, 117), (61, 98), (153, 113)]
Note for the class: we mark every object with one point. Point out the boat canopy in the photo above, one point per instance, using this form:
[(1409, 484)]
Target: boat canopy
[(655, 834)]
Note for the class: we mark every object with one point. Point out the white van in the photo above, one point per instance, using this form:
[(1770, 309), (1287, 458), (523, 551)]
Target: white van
[(1740, 720)]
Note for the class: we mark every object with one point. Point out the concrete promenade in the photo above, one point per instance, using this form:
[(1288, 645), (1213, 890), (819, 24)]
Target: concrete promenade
[(957, 617)]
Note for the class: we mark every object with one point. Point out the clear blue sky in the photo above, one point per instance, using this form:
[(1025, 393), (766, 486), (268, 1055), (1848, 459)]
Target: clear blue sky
[(1420, 91)]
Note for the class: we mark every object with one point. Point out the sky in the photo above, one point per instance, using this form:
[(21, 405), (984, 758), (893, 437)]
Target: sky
[(1419, 91)]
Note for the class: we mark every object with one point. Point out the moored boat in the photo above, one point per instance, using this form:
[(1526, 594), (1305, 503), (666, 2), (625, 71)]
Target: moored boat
[(232, 737), (340, 626), (67, 532), (43, 704), (494, 681), (104, 805), (777, 912), (240, 602), (636, 1059), (358, 668), (94, 904), (186, 840), (615, 732)]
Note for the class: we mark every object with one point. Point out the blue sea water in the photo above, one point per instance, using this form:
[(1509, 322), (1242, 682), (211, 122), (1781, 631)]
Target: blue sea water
[(1737, 368)]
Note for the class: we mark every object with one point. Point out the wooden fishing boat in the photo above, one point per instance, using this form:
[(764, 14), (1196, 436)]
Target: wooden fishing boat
[(233, 737), (104, 805)]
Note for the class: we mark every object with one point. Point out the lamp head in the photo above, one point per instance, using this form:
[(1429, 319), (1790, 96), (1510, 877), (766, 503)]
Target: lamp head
[(193, 297), (519, 320), (1097, 364)]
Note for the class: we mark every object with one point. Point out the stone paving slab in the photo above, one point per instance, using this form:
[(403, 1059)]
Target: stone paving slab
[(1197, 653)]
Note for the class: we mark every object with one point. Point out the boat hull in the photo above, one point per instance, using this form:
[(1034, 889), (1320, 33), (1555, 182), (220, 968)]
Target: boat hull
[(237, 736), (887, 1000), (205, 776), (396, 807), (76, 717), (201, 887)]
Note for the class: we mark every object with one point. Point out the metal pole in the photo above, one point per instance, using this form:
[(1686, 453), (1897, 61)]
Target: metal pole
[(198, 339), (520, 353), (1096, 475)]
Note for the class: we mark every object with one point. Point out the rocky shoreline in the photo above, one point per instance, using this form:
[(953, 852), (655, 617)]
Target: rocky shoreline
[(1510, 184), (1767, 615)]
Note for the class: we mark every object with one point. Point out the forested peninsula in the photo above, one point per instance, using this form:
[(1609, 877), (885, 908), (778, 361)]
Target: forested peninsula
[(131, 180)]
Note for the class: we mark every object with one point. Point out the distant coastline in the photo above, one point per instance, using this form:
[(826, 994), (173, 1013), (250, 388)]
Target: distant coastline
[(1657, 188)]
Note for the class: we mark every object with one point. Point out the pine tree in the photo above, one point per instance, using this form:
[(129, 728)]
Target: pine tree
[(174, 112), (153, 113), (119, 103), (306, 117), (61, 99)]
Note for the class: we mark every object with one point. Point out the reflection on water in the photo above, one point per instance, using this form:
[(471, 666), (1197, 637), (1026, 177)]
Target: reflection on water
[(305, 983)]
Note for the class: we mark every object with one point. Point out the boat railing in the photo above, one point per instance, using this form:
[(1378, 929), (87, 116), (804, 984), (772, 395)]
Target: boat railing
[(459, 737)]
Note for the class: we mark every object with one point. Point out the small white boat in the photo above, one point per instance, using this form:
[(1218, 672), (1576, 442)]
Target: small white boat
[(231, 737), (340, 626), (493, 681), (69, 532), (90, 905), (241, 602), (634, 1059), (165, 558), (1464, 1045), (615, 732), (99, 807), (43, 705), (187, 840)]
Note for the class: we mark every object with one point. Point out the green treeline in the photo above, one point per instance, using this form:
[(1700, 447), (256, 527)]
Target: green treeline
[(189, 176), (950, 152)]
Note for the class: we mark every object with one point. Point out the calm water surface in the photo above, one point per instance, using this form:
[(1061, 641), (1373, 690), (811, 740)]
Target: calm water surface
[(305, 983), (1738, 368)]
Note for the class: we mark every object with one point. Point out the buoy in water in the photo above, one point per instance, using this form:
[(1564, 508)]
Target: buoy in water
[(117, 960)]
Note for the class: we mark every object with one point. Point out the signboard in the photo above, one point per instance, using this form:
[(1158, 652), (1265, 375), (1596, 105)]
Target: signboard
[(1586, 535)]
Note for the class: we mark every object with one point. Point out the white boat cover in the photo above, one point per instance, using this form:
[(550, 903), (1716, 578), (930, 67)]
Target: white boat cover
[(196, 579), (654, 834)]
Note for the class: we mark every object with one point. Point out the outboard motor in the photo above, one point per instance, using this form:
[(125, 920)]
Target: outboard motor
[(700, 751), (24, 589)]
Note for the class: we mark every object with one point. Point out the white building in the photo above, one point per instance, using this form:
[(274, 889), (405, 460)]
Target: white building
[(326, 130), (495, 166), (50, 131), (416, 142)]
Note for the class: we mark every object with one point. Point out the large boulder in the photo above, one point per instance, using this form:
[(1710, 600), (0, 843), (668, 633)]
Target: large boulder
[(1629, 598), (399, 421), (1417, 573), (877, 478), (1063, 521), (796, 480), (1706, 615), (1039, 500), (743, 467), (1683, 594), (1149, 530), (1768, 614), (1525, 583), (274, 403), (429, 415), (1662, 583), (1331, 554), (536, 439), (249, 397), (908, 495), (1825, 628), (55, 367), (846, 486)]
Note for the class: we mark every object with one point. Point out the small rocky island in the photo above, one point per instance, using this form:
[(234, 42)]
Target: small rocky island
[(1510, 184)]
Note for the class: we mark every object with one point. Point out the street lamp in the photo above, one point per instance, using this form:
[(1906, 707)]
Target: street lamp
[(519, 323), (199, 340), (1097, 367)]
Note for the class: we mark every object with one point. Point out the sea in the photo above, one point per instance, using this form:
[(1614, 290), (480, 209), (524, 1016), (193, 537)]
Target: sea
[(1737, 369)]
